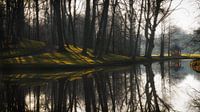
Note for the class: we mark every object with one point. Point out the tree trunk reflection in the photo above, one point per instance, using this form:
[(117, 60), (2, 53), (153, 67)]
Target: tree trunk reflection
[(132, 89)]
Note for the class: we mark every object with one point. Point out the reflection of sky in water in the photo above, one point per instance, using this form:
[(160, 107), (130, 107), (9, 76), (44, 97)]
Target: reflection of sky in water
[(179, 88), (30, 101), (182, 92)]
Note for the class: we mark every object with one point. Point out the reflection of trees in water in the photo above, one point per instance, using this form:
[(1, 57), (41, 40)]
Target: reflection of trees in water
[(16, 102), (196, 100), (176, 65), (103, 91), (153, 102)]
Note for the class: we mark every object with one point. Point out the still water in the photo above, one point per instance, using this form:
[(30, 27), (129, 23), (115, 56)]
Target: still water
[(164, 86)]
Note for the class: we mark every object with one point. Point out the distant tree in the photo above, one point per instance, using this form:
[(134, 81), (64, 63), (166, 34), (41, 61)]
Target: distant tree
[(196, 39), (162, 39), (197, 35)]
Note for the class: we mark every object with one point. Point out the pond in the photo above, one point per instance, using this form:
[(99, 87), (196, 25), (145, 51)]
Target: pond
[(150, 87)]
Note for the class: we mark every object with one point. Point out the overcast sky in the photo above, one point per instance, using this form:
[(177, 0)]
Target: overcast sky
[(186, 15)]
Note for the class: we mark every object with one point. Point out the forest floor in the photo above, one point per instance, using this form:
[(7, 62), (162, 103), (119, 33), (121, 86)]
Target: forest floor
[(35, 54)]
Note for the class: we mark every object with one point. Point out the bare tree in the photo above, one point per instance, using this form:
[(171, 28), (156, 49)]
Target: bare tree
[(152, 11)]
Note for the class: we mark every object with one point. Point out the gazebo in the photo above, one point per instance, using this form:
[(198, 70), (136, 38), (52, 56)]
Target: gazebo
[(175, 51)]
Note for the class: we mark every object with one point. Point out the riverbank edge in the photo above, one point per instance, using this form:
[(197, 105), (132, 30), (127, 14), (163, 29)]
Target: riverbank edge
[(138, 60)]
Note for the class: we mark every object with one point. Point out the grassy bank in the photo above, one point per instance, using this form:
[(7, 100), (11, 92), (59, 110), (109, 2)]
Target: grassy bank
[(72, 58), (25, 47), (28, 54)]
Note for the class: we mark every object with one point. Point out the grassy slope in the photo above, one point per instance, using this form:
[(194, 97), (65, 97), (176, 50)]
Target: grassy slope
[(23, 48), (72, 56)]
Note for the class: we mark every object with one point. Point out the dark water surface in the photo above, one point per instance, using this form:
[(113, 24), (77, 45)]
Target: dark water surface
[(165, 86)]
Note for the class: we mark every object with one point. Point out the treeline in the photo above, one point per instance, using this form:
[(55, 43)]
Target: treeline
[(105, 26)]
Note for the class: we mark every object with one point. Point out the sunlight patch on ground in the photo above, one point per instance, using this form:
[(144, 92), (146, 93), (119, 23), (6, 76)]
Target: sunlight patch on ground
[(71, 56)]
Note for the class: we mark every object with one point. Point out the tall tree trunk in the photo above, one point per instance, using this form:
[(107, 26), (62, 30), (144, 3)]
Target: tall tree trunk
[(114, 4), (20, 19), (71, 24), (131, 30), (92, 30), (138, 30), (56, 5), (147, 25), (37, 19), (100, 42), (64, 21), (2, 36), (86, 28)]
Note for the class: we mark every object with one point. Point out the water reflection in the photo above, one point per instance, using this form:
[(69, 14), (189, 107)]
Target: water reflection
[(157, 87), (195, 64)]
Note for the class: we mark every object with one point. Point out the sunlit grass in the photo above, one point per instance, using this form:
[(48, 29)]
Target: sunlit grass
[(191, 55), (72, 56)]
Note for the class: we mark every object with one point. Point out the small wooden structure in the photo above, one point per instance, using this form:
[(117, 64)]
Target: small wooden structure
[(175, 51)]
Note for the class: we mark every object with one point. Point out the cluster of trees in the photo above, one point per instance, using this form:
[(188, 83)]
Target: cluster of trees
[(105, 26), (196, 40)]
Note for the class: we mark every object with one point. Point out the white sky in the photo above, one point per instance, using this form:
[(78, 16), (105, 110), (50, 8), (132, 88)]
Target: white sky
[(186, 15)]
